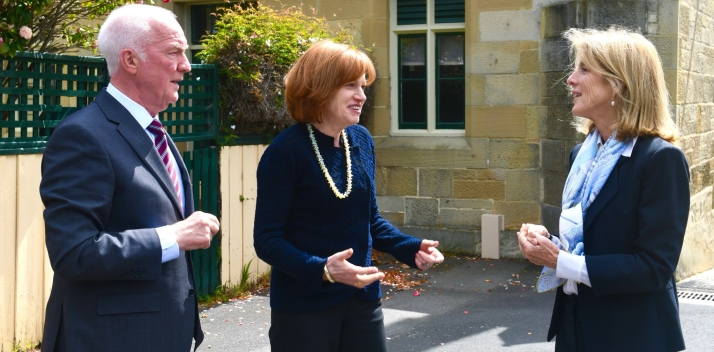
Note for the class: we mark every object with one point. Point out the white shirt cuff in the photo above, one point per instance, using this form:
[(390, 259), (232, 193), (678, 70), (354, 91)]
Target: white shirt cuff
[(169, 247), (572, 267)]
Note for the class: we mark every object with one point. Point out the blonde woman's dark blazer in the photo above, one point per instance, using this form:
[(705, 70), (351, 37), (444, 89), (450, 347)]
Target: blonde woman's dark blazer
[(633, 234)]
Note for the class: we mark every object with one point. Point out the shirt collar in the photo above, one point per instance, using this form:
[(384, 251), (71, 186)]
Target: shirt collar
[(137, 111), (630, 146), (628, 150)]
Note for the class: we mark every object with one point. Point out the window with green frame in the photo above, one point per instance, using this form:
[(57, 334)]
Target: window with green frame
[(412, 81), (203, 21), (430, 56), (450, 85)]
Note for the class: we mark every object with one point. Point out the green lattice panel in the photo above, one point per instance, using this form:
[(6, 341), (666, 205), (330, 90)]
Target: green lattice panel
[(194, 116), (39, 90)]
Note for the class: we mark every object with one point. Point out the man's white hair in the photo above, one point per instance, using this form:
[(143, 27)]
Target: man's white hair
[(129, 27)]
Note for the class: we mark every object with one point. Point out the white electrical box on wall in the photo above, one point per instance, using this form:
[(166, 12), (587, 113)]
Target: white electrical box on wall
[(491, 227)]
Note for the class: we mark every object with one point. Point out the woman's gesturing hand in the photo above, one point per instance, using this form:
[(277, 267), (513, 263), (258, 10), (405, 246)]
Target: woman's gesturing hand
[(428, 255), (536, 247), (531, 231), (347, 273)]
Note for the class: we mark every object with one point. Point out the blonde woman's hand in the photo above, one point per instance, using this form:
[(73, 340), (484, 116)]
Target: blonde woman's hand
[(538, 249), (534, 233)]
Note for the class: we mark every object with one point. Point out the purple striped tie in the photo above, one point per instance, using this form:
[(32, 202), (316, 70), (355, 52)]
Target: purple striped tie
[(162, 146)]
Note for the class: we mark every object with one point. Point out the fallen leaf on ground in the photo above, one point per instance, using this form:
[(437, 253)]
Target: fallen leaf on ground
[(416, 293), (400, 280), (488, 280)]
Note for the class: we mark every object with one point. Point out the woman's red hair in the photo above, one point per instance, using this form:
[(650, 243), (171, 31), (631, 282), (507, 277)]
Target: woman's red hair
[(318, 74)]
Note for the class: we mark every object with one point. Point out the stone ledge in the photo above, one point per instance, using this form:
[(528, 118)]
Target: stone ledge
[(450, 240), (432, 152)]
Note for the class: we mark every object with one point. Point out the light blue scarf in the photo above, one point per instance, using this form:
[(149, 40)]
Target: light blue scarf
[(590, 170)]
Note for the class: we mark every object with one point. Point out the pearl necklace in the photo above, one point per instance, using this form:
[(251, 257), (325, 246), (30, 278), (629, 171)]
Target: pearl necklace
[(324, 169)]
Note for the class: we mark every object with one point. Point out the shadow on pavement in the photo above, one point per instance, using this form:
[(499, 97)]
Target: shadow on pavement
[(471, 305)]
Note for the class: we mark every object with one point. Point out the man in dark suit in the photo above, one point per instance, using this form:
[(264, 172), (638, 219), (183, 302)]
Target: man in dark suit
[(119, 212)]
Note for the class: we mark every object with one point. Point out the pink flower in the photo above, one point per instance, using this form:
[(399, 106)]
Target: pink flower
[(1, 41), (25, 32)]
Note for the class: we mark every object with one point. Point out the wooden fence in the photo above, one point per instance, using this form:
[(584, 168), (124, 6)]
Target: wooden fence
[(239, 189), (25, 272)]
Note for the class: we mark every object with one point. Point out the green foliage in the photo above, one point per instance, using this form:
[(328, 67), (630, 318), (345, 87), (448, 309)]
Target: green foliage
[(25, 347), (15, 15), (254, 47), (245, 276), (226, 293), (57, 25)]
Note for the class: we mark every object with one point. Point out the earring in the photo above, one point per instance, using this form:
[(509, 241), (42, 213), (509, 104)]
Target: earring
[(612, 103)]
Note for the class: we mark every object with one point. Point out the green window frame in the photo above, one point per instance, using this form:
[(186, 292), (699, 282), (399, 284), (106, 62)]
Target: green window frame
[(428, 94), (202, 22), (450, 84), (414, 114)]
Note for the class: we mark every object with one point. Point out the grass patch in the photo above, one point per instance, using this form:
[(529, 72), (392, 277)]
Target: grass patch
[(26, 347), (243, 290)]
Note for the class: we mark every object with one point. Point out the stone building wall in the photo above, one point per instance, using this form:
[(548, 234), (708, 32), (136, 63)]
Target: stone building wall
[(513, 158), (438, 187), (694, 102)]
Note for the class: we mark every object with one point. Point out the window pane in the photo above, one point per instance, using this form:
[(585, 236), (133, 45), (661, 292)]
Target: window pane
[(449, 11), (413, 71), (450, 91), (194, 59), (412, 81), (411, 12), (451, 55), (201, 22), (413, 102), (413, 52), (451, 102)]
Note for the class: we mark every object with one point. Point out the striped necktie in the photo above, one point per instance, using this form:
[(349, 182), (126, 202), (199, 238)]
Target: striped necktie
[(162, 146)]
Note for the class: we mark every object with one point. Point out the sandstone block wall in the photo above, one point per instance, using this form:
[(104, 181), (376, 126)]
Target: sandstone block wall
[(694, 104), (513, 157)]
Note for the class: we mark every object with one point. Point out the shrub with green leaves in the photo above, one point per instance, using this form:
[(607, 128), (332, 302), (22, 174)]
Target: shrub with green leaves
[(254, 47)]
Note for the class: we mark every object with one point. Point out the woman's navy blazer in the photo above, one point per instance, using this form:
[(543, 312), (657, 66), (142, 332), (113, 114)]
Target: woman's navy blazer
[(633, 234)]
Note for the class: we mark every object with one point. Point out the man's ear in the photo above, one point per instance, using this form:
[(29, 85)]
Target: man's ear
[(129, 61)]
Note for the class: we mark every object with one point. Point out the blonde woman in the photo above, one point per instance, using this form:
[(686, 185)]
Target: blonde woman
[(625, 204)]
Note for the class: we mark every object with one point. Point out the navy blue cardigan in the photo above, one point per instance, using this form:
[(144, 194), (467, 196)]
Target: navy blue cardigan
[(299, 222)]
